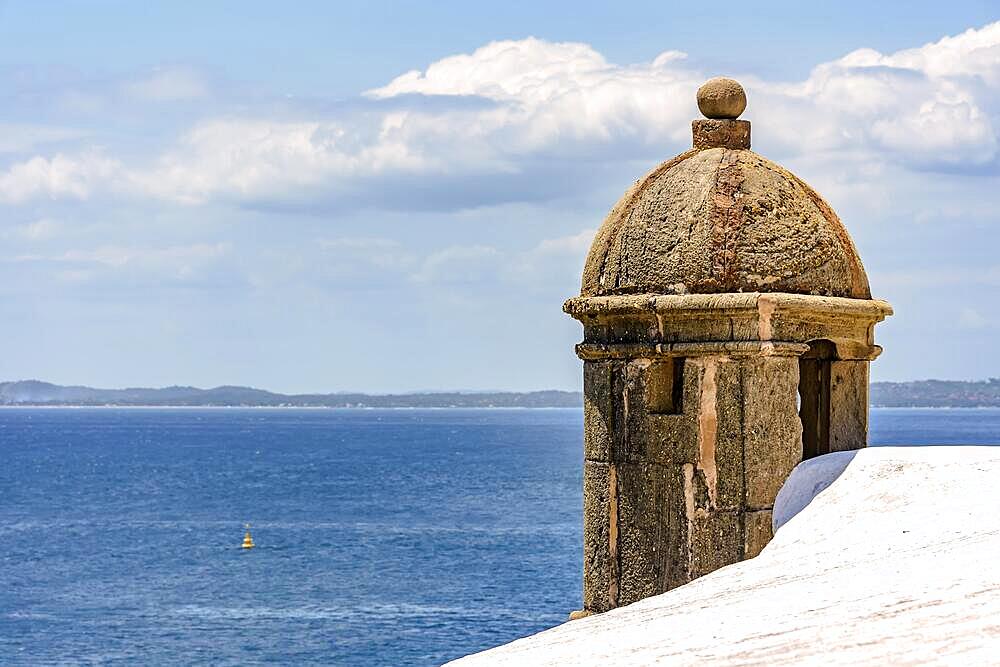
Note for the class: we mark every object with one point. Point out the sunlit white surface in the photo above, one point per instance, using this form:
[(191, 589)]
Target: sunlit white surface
[(889, 559)]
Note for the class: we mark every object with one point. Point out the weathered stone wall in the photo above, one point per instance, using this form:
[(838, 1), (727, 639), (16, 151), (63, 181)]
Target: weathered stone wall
[(670, 497), (692, 425), (848, 405)]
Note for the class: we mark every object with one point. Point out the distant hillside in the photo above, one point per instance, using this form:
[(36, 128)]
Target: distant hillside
[(33, 392), (937, 394), (923, 393)]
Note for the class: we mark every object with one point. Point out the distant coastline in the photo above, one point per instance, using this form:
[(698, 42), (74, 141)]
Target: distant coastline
[(25, 393)]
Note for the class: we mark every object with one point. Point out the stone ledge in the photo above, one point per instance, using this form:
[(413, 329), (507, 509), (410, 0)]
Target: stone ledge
[(700, 305), (780, 318), (596, 351)]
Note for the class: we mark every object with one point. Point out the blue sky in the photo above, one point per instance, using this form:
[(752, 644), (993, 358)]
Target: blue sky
[(398, 196)]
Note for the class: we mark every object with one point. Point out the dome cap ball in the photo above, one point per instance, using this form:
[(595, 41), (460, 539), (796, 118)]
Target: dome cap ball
[(722, 98)]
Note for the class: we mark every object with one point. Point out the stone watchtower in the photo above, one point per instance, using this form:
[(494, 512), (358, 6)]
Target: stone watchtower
[(728, 328)]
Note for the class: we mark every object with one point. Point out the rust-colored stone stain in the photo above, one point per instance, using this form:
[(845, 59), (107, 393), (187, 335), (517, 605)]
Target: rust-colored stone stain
[(708, 424)]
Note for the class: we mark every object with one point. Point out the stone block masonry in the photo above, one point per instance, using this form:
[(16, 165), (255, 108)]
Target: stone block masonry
[(728, 328)]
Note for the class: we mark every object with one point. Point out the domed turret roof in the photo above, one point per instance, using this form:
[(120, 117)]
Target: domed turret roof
[(721, 218)]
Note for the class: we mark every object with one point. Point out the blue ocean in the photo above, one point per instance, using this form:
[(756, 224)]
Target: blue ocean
[(384, 537)]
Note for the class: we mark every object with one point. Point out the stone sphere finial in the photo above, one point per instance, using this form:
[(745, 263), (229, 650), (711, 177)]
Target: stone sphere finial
[(722, 98)]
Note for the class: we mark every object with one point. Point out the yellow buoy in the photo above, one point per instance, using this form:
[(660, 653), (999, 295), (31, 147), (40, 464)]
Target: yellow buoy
[(247, 540)]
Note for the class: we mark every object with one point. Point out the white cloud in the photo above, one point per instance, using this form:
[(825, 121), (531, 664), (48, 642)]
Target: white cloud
[(111, 255), (549, 93), (460, 265), (39, 230), (550, 103), (170, 84), (917, 105), (177, 262), (61, 176), (552, 265), (970, 318), (974, 52), (524, 120), (940, 131), (256, 159), (575, 245), (365, 261), (528, 69), (547, 100)]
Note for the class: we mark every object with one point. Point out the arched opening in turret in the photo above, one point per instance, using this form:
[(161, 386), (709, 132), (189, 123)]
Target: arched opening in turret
[(814, 397)]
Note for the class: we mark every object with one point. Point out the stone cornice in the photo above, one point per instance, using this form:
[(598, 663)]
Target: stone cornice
[(652, 320), (596, 351), (706, 305)]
